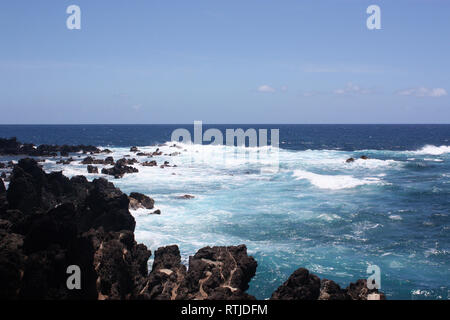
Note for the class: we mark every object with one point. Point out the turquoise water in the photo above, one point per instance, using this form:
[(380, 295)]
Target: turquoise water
[(303, 205)]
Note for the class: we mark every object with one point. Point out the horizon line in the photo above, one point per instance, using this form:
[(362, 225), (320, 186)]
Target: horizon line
[(173, 124)]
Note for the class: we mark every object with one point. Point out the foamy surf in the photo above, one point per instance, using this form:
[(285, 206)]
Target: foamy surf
[(433, 150), (333, 182)]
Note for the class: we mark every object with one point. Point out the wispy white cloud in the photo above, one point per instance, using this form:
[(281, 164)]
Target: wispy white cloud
[(351, 88), (423, 92), (266, 88)]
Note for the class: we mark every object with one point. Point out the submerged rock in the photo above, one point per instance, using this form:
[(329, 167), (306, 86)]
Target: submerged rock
[(186, 197)]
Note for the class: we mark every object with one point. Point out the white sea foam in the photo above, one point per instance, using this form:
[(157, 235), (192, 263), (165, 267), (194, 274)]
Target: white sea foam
[(373, 163), (334, 182), (435, 160), (433, 150)]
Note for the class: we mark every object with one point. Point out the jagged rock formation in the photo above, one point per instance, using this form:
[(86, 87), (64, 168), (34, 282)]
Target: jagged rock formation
[(139, 200), (92, 169), (302, 285), (218, 273), (13, 147), (49, 222), (53, 222), (119, 170)]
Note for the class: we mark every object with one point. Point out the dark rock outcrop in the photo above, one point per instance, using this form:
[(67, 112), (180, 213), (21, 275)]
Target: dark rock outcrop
[(218, 273), (152, 163), (125, 161), (91, 160), (359, 291), (167, 275), (139, 200), (330, 290), (13, 147), (92, 169), (119, 170), (301, 285), (49, 222)]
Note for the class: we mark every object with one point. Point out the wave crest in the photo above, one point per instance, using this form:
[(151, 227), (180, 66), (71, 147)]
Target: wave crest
[(333, 182), (433, 150)]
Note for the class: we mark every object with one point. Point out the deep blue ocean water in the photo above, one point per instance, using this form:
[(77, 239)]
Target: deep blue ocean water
[(311, 209)]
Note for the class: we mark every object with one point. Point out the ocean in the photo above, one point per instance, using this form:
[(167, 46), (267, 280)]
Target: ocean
[(299, 205)]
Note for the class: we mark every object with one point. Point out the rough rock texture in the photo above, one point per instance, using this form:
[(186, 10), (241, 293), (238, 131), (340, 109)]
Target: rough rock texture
[(301, 285), (139, 200), (13, 147), (92, 169), (330, 290), (218, 273), (119, 170), (152, 163), (166, 276), (359, 291), (49, 222)]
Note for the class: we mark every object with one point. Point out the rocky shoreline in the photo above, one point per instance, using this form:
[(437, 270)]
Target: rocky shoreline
[(49, 222)]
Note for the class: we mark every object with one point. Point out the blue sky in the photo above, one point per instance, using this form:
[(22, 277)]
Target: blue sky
[(233, 61)]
